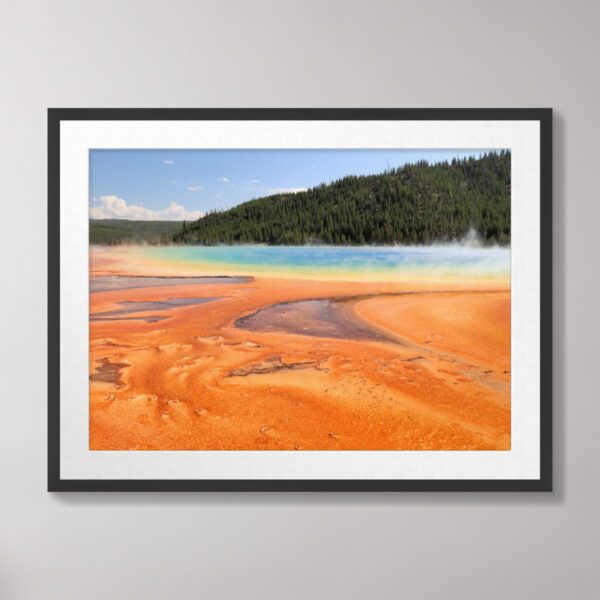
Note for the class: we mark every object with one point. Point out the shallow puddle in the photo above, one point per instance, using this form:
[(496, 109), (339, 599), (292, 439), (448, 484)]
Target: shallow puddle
[(107, 283), (146, 318), (109, 372), (330, 317), (139, 307)]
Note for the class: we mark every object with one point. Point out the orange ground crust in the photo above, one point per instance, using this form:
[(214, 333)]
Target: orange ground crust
[(197, 382)]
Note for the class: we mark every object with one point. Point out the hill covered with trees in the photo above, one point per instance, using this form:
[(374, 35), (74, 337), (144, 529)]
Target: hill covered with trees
[(122, 231), (414, 204)]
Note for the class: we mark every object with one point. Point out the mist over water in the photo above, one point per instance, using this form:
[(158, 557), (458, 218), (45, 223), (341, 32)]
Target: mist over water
[(472, 239), (465, 258)]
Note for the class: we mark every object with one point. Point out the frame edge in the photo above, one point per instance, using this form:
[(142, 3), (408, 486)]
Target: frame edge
[(545, 481)]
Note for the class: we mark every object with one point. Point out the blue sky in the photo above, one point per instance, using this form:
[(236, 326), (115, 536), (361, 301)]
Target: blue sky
[(184, 184)]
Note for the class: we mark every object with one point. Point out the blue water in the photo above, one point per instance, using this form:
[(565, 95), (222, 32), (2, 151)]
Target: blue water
[(380, 261)]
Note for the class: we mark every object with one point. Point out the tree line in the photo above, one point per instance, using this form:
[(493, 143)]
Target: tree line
[(417, 203)]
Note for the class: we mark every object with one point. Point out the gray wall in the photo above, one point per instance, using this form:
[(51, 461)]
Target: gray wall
[(260, 53)]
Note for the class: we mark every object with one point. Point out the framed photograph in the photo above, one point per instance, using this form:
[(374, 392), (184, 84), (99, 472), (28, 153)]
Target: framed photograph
[(300, 300)]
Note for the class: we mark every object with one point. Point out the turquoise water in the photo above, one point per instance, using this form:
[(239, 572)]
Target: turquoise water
[(369, 261)]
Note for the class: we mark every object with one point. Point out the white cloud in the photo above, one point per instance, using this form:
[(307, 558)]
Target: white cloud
[(224, 179), (194, 188), (287, 190), (169, 162), (255, 181), (113, 207)]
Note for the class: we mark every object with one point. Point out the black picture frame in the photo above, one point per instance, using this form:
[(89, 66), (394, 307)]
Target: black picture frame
[(58, 115)]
